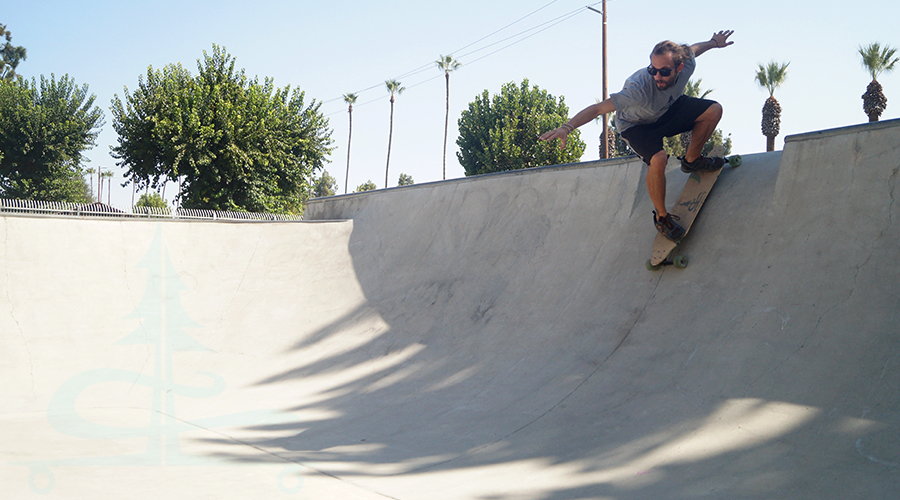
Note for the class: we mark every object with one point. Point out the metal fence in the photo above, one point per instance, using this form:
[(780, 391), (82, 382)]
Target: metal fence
[(53, 208)]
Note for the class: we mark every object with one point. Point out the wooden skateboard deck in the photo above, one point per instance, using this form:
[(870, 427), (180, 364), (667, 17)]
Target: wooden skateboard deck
[(695, 191)]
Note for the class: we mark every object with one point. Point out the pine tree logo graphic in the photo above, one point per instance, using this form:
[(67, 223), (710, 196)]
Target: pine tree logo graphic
[(162, 328)]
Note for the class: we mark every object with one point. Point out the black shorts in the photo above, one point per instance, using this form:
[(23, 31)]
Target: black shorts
[(647, 139)]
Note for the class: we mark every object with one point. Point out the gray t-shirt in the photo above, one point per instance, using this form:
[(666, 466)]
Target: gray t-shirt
[(640, 101)]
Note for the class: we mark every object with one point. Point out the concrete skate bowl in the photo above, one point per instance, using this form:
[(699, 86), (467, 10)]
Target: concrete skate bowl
[(491, 338)]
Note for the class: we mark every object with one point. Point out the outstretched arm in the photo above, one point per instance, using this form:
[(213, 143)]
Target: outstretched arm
[(584, 116), (718, 40)]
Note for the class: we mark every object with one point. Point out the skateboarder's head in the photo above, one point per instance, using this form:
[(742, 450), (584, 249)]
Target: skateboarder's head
[(680, 53), (666, 62)]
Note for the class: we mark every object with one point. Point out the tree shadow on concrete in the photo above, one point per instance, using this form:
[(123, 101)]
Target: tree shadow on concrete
[(515, 342)]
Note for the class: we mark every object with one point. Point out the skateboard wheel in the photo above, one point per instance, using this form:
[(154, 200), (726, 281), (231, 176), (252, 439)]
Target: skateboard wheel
[(735, 161), (651, 267), (680, 262)]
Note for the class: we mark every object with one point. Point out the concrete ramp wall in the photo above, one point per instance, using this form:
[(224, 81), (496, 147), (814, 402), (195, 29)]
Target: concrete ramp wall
[(494, 337)]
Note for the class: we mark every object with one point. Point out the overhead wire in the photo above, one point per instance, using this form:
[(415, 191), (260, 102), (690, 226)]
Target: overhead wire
[(517, 37)]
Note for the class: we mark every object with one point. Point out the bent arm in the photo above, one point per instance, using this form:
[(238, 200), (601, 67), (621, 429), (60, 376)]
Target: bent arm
[(584, 116), (718, 40)]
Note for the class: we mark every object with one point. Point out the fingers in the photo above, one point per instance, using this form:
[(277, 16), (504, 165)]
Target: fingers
[(723, 36), (557, 133), (549, 135)]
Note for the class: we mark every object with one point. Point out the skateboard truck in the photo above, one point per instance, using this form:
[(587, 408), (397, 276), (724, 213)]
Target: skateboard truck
[(679, 261)]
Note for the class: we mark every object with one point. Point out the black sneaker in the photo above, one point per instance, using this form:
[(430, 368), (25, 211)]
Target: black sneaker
[(702, 164), (668, 227)]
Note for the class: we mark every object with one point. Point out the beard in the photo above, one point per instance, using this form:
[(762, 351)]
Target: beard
[(665, 84)]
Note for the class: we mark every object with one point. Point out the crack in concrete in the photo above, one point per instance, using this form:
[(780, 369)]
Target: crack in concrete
[(277, 456), (12, 308)]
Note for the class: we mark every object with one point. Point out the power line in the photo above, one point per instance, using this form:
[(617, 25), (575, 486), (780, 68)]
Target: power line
[(540, 28), (430, 65), (507, 26), (554, 22)]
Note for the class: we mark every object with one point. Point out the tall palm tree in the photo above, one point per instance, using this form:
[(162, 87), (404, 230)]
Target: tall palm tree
[(350, 99), (99, 184), (91, 171), (447, 64), (108, 175), (394, 87), (771, 77), (612, 136), (876, 59)]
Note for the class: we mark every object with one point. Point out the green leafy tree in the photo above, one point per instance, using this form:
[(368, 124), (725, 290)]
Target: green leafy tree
[(675, 147), (10, 55), (876, 60), (771, 77), (447, 64), (232, 143), (500, 132), (678, 145), (45, 128), (350, 99), (405, 180), (325, 185), (366, 186), (152, 200), (394, 87)]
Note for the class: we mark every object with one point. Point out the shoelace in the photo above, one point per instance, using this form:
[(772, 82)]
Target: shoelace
[(667, 220)]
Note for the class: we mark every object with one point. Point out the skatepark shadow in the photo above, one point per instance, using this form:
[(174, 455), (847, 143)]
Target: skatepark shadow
[(494, 337), (510, 343)]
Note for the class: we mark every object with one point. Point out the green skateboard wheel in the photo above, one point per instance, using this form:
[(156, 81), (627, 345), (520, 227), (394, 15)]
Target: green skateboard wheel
[(651, 267), (735, 161), (680, 262)]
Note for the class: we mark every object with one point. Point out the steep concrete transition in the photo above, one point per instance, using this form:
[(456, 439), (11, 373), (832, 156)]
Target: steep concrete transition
[(491, 338)]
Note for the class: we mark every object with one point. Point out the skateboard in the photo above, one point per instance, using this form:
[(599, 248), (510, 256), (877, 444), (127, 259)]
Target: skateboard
[(687, 207)]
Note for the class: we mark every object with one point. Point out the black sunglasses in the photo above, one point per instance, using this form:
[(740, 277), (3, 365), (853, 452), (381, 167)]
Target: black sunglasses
[(664, 72)]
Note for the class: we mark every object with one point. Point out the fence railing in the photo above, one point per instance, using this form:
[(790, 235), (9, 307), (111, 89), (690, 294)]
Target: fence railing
[(53, 208)]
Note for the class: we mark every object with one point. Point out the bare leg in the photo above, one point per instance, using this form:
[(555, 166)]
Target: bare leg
[(656, 182), (703, 130)]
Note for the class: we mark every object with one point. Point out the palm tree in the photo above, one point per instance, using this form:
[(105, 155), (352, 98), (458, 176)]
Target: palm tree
[(350, 99), (91, 171), (612, 136), (447, 64), (99, 184), (108, 175), (876, 59), (394, 87), (771, 77)]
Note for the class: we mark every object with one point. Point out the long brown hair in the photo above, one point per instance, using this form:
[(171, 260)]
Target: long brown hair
[(680, 53)]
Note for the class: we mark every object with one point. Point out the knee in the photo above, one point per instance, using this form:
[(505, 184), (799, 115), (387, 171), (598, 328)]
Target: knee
[(714, 111), (658, 161)]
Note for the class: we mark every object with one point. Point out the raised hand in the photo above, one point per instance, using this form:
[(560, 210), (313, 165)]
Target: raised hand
[(721, 38)]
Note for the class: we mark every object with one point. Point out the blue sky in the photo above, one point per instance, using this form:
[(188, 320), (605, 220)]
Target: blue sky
[(331, 48)]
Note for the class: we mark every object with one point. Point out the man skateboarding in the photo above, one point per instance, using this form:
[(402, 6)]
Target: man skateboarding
[(651, 106)]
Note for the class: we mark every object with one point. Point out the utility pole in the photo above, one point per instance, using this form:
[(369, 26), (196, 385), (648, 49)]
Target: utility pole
[(604, 146)]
